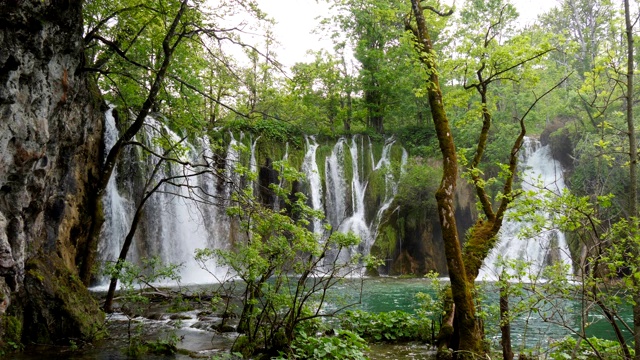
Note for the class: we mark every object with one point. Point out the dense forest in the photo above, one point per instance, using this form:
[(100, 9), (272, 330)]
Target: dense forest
[(419, 114)]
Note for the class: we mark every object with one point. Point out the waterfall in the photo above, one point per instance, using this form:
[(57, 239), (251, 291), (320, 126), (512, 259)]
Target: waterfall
[(391, 184), (285, 159), (357, 223), (190, 212), (310, 169), (253, 165), (547, 247), (336, 197), (173, 224), (117, 208)]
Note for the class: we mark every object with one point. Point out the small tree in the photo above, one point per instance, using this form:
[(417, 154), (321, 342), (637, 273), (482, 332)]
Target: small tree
[(287, 269)]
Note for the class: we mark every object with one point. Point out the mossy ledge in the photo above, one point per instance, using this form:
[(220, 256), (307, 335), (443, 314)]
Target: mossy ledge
[(57, 307)]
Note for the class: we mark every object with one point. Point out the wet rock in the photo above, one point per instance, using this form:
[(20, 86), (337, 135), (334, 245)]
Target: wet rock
[(179, 317), (50, 142), (155, 316)]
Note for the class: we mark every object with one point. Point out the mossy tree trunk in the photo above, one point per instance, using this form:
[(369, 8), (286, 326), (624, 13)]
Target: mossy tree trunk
[(633, 169), (464, 266), (466, 323)]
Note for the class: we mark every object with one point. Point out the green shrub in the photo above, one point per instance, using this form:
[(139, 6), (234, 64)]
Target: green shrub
[(343, 345), (393, 326), (566, 349)]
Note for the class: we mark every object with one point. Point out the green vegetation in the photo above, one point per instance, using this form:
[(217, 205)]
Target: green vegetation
[(475, 76), (135, 282), (343, 345), (287, 272), (388, 326)]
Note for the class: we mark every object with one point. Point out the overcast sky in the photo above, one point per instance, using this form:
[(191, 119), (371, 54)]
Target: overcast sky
[(296, 19)]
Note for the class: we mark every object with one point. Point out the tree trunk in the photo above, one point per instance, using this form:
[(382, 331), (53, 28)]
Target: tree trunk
[(505, 323), (470, 341), (114, 153), (633, 166), (108, 302)]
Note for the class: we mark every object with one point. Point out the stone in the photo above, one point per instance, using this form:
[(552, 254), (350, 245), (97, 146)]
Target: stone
[(50, 152)]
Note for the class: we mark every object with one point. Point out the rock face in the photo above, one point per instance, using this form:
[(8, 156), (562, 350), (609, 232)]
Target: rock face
[(410, 237), (50, 141)]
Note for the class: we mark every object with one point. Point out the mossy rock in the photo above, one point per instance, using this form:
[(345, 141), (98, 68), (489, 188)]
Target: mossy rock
[(375, 192), (56, 305), (11, 333)]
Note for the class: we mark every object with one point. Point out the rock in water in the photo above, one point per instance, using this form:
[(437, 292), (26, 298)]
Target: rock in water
[(50, 139)]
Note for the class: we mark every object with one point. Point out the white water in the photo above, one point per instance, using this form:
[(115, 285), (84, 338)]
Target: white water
[(177, 221), (339, 190), (117, 209), (542, 174), (253, 165), (357, 223), (310, 169), (174, 220), (336, 185)]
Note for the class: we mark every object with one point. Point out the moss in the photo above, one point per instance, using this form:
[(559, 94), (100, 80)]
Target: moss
[(396, 160), (348, 165), (322, 153), (385, 243), (243, 346), (12, 334), (34, 273), (481, 239), (375, 192), (58, 305)]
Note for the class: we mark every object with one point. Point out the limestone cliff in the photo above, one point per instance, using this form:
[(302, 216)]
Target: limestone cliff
[(50, 139)]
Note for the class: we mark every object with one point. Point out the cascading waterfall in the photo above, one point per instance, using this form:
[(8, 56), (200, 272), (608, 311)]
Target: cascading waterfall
[(117, 208), (391, 184), (285, 158), (182, 216), (310, 169), (253, 165), (336, 185), (357, 223), (174, 223), (337, 197), (176, 216), (542, 173)]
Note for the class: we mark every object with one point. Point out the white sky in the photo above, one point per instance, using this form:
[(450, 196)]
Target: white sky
[(296, 19)]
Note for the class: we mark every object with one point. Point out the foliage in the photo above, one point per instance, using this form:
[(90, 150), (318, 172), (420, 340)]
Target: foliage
[(419, 140), (586, 349), (134, 280), (270, 129), (286, 269), (12, 328), (344, 344), (141, 348), (393, 326), (384, 90), (417, 185)]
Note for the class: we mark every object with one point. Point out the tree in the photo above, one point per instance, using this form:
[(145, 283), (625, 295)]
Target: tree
[(582, 30), (633, 167), (287, 269), (148, 57), (172, 39), (387, 73), (491, 65), (470, 335)]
